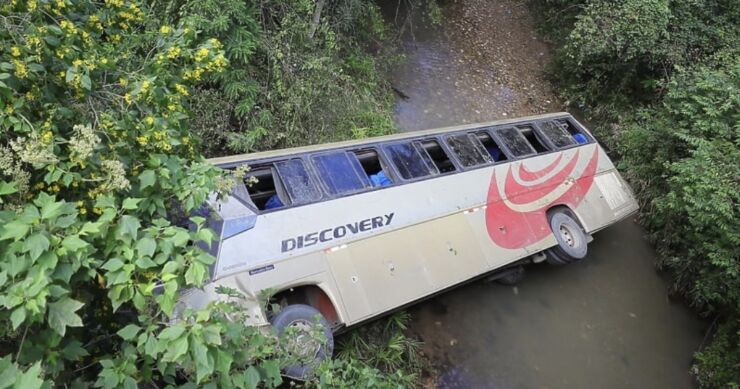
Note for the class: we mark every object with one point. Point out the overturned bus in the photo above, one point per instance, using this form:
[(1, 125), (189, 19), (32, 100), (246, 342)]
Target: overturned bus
[(348, 231)]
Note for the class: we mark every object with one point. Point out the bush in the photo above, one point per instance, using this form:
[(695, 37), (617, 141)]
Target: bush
[(662, 80)]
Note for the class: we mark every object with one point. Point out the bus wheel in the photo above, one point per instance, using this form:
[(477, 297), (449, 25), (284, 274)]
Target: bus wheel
[(306, 343), (572, 242)]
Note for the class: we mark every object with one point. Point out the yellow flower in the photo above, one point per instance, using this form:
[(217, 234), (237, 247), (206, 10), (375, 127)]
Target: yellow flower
[(181, 89), (104, 61), (15, 52), (149, 120), (123, 81), (31, 5), (143, 140), (20, 69), (173, 52), (201, 54), (77, 62), (80, 204), (165, 29), (83, 211), (127, 97), (47, 136)]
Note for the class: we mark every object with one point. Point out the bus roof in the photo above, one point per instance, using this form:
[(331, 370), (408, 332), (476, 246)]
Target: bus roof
[(322, 146)]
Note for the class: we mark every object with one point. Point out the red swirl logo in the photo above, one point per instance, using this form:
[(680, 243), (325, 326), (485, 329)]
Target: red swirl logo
[(516, 214)]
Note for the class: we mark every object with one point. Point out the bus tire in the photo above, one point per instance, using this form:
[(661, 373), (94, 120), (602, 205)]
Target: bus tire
[(572, 243), (304, 318)]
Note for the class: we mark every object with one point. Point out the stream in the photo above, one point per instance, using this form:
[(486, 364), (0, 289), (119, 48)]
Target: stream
[(605, 322)]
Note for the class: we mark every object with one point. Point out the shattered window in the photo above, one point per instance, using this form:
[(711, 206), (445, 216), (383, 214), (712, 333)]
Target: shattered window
[(558, 133), (297, 182), (410, 163), (468, 150), (515, 141), (341, 172)]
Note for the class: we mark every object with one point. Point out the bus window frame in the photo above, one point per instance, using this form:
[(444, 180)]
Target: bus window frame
[(277, 181), (448, 152), (390, 169), (470, 134), (324, 186), (433, 171)]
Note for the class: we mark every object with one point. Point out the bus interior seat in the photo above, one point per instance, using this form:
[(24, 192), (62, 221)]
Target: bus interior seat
[(373, 168), (264, 193), (493, 149), (577, 135)]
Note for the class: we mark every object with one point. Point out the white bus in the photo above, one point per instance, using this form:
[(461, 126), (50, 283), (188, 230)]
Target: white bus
[(345, 232)]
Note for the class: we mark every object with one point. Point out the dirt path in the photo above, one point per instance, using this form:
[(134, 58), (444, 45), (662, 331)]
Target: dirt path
[(484, 62)]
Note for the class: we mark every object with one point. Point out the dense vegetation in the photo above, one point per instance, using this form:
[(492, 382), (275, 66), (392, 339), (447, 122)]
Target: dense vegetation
[(662, 80), (103, 105)]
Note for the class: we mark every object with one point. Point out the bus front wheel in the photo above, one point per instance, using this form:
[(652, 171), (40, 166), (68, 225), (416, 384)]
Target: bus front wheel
[(572, 242), (305, 336)]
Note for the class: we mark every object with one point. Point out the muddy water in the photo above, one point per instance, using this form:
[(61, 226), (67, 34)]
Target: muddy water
[(605, 322)]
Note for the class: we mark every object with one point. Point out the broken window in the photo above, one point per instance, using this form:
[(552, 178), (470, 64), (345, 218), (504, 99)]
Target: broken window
[(534, 139), (557, 133), (438, 156), (263, 190), (340, 172), (297, 182), (468, 150), (409, 162), (515, 142), (496, 153), (373, 167)]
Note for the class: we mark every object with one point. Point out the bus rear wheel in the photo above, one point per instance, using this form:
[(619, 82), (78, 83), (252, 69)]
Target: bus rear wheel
[(572, 242), (297, 326)]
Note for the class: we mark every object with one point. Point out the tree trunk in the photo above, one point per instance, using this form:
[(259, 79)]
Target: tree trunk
[(316, 18)]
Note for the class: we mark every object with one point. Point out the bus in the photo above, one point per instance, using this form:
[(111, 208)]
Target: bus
[(342, 233)]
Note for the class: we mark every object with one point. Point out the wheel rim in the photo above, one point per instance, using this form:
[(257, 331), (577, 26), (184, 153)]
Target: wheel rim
[(568, 236), (301, 343)]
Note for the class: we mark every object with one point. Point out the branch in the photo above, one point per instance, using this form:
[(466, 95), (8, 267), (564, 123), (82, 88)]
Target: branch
[(316, 18)]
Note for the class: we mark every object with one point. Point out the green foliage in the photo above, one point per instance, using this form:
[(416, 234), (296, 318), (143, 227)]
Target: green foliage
[(383, 345), (665, 76), (719, 363), (95, 165), (286, 86), (683, 159)]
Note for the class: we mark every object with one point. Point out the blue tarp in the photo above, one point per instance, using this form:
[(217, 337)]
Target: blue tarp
[(380, 179)]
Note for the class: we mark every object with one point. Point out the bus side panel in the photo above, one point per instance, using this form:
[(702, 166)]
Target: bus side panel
[(350, 286), (495, 255)]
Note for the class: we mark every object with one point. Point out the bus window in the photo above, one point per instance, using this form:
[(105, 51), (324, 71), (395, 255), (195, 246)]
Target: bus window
[(579, 136), (533, 139), (340, 172), (515, 141), (409, 162), (558, 134), (468, 150), (262, 189), (297, 182), (438, 156), (493, 149), (373, 168)]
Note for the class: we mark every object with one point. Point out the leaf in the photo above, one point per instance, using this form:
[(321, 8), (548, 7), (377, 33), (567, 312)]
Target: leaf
[(146, 246), (7, 188), (85, 82), (131, 203), (128, 225), (30, 379), (147, 178), (74, 243), (36, 244), (176, 349), (195, 274), (129, 332), (52, 209), (17, 317), (90, 228), (62, 315), (15, 230), (252, 377), (172, 332)]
